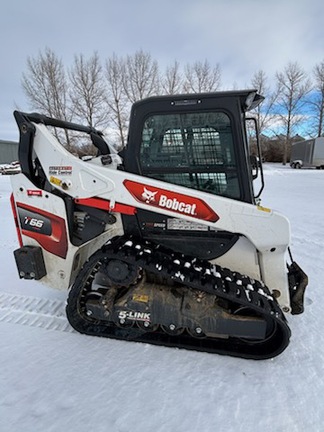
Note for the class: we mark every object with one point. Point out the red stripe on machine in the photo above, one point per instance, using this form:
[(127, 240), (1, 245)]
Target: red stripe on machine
[(105, 205)]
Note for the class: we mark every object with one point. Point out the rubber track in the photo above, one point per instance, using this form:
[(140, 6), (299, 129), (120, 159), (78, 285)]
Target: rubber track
[(196, 274)]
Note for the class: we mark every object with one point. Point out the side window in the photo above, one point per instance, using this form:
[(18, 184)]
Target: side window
[(193, 150)]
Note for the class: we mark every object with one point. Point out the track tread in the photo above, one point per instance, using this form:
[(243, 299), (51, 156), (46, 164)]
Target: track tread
[(196, 274)]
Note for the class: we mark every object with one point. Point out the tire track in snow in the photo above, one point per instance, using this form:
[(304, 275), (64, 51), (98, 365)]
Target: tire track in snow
[(34, 312)]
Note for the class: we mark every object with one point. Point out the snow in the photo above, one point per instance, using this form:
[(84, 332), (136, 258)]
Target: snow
[(53, 379)]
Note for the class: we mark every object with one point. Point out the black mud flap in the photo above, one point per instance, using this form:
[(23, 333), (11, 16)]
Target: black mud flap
[(30, 262), (298, 281)]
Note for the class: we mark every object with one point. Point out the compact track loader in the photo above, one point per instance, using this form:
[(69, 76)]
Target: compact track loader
[(164, 242)]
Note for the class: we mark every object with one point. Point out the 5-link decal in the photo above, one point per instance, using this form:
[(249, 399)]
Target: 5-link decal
[(134, 316)]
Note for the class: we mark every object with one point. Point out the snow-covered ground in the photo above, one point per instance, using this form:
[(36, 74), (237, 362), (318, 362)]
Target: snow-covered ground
[(53, 379)]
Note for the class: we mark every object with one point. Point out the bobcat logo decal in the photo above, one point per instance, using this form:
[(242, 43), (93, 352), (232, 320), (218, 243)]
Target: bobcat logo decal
[(148, 195), (171, 201)]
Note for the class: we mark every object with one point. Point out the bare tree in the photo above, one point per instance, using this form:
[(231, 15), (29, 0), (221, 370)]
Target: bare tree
[(87, 91), (172, 80), (293, 86), (117, 99), (141, 76), (316, 101), (46, 88), (45, 84), (264, 112), (202, 77)]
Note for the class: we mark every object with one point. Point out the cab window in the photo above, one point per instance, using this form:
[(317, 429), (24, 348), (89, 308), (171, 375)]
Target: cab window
[(194, 150)]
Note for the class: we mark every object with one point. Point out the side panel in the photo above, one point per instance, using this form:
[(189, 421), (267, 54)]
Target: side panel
[(242, 257), (42, 221), (48, 229)]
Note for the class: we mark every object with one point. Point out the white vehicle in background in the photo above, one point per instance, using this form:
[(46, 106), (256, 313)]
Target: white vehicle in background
[(11, 168), (308, 154)]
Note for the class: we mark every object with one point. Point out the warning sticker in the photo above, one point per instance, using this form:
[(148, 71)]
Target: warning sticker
[(179, 224), (60, 170), (56, 181)]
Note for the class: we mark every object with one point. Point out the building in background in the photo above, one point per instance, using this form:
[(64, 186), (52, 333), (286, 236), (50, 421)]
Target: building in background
[(8, 151)]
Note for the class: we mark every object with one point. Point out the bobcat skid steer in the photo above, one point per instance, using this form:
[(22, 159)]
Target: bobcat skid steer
[(164, 242)]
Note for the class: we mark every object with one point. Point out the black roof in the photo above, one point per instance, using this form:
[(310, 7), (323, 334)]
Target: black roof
[(249, 98)]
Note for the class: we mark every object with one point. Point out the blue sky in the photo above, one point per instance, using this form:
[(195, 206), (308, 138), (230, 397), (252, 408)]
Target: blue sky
[(242, 36)]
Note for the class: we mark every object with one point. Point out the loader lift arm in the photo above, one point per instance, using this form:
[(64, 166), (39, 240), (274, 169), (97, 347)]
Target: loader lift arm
[(27, 131)]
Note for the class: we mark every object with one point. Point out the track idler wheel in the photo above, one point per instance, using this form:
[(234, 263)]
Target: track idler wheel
[(146, 326), (270, 330), (172, 330), (118, 273), (196, 332)]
